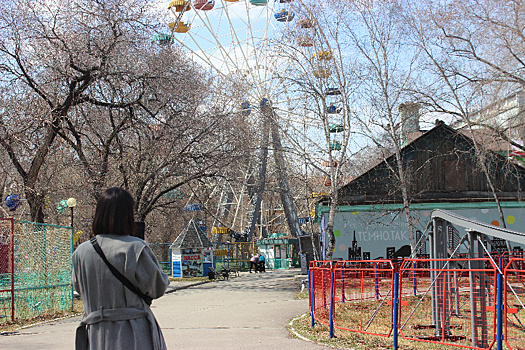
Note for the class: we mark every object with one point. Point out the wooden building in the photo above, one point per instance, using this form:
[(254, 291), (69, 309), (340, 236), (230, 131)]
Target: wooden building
[(444, 171), (441, 165)]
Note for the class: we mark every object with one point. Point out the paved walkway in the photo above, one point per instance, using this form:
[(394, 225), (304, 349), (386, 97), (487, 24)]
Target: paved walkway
[(247, 312)]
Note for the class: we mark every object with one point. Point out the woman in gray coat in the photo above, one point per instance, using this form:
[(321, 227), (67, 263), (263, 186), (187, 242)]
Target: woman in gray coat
[(115, 317)]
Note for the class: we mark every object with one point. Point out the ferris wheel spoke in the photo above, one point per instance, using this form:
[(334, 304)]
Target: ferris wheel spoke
[(245, 53), (304, 139), (255, 61)]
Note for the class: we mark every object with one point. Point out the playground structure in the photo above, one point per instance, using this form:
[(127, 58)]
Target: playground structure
[(35, 270), (474, 301)]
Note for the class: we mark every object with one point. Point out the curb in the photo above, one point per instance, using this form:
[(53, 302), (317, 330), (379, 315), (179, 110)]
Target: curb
[(292, 330), (174, 289)]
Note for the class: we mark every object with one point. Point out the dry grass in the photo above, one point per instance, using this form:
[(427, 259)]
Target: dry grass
[(355, 341), (351, 315), (13, 326)]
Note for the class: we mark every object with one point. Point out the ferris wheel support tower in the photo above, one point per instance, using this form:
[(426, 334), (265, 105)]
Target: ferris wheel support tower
[(243, 43), (269, 121)]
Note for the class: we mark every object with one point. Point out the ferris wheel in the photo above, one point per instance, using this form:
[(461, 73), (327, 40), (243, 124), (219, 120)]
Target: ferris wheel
[(250, 45)]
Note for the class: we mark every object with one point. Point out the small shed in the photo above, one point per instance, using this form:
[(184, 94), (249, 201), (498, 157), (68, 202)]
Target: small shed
[(192, 253)]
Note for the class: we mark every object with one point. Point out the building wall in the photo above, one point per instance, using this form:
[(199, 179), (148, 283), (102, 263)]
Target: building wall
[(506, 113), (379, 227), (440, 166)]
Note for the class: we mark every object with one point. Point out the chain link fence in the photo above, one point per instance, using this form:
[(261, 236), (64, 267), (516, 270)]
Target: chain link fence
[(6, 267), (35, 270)]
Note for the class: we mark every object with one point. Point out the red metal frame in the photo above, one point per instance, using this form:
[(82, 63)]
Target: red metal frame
[(11, 257), (346, 273), (514, 268), (464, 287), (447, 291), (321, 272)]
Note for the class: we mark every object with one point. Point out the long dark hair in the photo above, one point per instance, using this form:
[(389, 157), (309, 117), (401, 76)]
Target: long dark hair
[(114, 213)]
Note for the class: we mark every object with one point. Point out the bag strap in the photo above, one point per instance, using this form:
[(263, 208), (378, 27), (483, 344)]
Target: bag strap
[(118, 275)]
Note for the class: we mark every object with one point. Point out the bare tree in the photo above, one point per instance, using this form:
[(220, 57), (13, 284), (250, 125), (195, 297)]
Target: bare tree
[(53, 56), (386, 66), (472, 50), (324, 81)]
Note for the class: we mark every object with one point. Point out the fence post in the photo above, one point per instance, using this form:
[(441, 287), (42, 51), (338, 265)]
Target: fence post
[(311, 294), (499, 313), (377, 281), (332, 275), (12, 253), (342, 284), (395, 305), (414, 283)]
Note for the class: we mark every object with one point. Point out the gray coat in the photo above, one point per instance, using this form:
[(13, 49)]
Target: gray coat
[(114, 317)]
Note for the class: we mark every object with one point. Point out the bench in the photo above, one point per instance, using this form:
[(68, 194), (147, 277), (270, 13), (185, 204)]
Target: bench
[(215, 275)]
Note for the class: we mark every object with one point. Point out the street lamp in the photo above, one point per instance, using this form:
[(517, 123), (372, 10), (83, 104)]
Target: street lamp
[(72, 203)]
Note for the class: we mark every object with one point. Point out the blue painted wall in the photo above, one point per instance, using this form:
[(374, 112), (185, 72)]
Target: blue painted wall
[(177, 269)]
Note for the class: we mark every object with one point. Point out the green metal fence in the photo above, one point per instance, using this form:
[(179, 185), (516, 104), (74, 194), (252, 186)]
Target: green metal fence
[(163, 253), (233, 255), (42, 271), (232, 264), (278, 263)]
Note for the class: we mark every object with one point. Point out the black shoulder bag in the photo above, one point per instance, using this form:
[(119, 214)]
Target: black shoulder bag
[(118, 275)]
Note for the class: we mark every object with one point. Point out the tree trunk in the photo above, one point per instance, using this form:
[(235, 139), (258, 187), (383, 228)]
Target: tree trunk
[(329, 232), (36, 203)]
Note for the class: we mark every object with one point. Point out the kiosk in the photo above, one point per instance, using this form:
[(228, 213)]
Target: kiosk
[(280, 253), (192, 253)]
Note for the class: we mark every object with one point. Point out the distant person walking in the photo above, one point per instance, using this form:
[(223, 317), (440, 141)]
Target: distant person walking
[(253, 262), (262, 263), (117, 316)]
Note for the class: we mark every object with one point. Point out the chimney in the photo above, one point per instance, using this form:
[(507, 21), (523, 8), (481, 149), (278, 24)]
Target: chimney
[(409, 113)]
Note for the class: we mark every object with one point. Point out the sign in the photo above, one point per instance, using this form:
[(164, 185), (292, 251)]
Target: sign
[(192, 262), (278, 241), (222, 252), (192, 257)]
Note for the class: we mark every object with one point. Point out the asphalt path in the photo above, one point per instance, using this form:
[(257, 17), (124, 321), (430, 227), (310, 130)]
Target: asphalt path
[(251, 311)]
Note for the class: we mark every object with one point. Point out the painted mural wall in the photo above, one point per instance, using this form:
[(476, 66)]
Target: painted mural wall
[(377, 230)]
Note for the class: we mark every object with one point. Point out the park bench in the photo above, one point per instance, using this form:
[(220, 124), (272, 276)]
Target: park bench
[(215, 275), (222, 275)]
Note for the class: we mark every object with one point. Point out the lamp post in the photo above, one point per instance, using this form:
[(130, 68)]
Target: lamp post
[(72, 203)]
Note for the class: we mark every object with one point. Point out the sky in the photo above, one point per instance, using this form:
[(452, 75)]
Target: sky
[(243, 40)]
